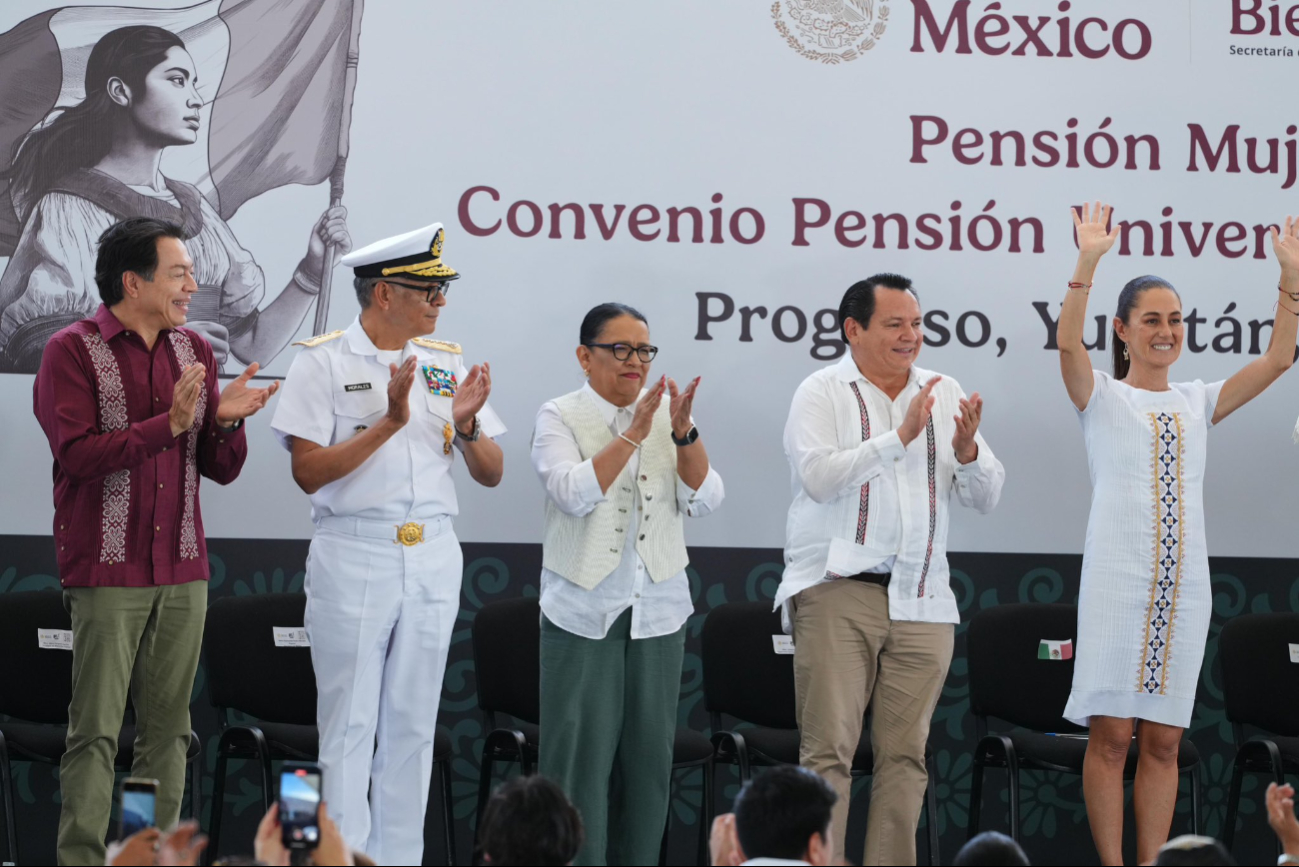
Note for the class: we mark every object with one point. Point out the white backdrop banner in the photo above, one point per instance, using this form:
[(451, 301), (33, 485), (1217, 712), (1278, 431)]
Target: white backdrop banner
[(729, 168)]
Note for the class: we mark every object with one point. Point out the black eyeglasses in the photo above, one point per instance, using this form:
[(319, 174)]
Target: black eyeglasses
[(429, 289), (623, 351)]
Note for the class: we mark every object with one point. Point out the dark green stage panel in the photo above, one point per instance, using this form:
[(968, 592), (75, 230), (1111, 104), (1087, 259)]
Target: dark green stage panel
[(1055, 821)]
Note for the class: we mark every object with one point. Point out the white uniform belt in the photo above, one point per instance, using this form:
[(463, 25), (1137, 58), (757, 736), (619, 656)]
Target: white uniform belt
[(409, 533)]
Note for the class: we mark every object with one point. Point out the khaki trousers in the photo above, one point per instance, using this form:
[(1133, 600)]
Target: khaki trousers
[(847, 654)]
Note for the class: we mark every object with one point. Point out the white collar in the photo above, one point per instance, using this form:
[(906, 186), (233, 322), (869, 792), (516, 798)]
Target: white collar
[(358, 340), (609, 411), (361, 344), (847, 371)]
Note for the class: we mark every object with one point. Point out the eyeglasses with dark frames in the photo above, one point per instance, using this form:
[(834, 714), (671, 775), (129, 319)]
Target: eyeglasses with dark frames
[(429, 289), (623, 351)]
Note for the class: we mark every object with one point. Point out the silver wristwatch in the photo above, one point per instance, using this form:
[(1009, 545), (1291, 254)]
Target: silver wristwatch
[(473, 434)]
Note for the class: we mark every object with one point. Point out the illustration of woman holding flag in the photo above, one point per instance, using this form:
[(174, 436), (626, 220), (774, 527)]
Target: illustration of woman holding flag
[(98, 162)]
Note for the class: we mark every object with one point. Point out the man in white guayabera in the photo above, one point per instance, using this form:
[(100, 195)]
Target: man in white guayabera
[(877, 447)]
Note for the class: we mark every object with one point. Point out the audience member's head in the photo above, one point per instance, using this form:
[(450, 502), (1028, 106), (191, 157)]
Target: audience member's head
[(784, 812), (1191, 851), (991, 848), (529, 821)]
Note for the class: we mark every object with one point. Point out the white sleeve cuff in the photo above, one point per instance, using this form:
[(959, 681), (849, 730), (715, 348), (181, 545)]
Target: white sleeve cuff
[(709, 495), (890, 446), (586, 485)]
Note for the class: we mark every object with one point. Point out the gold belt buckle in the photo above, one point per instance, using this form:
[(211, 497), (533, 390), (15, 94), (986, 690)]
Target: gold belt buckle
[(409, 534)]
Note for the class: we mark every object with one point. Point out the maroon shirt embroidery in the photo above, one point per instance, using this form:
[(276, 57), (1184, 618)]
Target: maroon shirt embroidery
[(126, 507)]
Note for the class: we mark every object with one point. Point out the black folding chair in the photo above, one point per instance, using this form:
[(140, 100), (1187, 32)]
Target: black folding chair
[(35, 690), (276, 686), (1260, 684), (506, 638), (744, 678), (1011, 680)]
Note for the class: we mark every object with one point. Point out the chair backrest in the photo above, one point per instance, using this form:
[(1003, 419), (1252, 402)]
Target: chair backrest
[(1260, 671), (506, 637), (245, 669), (35, 682), (1011, 678), (744, 677)]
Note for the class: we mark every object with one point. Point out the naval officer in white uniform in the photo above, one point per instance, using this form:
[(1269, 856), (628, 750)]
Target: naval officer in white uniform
[(375, 416)]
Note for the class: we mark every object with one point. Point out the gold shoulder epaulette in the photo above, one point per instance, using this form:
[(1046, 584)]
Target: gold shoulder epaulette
[(444, 345), (312, 342)]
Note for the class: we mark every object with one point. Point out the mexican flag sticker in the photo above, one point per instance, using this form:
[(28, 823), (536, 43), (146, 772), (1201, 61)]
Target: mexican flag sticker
[(1049, 649)]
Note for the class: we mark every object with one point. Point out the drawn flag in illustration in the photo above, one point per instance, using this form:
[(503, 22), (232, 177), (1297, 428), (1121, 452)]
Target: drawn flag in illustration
[(272, 75)]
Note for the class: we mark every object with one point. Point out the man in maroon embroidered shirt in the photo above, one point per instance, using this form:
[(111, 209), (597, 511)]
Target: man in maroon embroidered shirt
[(128, 400)]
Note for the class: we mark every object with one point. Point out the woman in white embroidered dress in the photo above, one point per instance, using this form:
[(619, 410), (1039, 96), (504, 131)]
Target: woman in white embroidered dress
[(98, 162), (1145, 603)]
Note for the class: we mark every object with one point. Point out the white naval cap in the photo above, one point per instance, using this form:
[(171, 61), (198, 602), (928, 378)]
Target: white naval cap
[(415, 254)]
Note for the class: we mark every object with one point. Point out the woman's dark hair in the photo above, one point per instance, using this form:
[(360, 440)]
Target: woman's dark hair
[(779, 810), (1127, 300), (529, 821), (859, 301), (131, 245), (80, 136), (599, 316)]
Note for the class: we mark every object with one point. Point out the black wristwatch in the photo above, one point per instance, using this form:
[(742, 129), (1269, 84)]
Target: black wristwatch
[(688, 439)]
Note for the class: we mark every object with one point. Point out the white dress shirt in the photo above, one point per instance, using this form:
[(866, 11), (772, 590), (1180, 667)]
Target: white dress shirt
[(869, 504), (339, 388), (657, 608)]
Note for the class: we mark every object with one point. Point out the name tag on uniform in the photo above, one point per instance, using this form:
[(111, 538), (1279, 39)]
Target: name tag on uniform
[(357, 386), (54, 639), (782, 644), (440, 382)]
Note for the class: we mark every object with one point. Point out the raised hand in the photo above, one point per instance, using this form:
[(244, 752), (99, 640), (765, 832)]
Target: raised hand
[(723, 843), (1281, 816), (680, 405), (181, 846), (399, 391), (239, 401), (331, 228), (643, 420), (1094, 239), (471, 395), (137, 849), (217, 336), (184, 398), (268, 845), (333, 849), (1286, 245), (918, 412), (967, 424)]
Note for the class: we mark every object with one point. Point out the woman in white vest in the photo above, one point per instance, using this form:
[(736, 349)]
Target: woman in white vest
[(621, 467)]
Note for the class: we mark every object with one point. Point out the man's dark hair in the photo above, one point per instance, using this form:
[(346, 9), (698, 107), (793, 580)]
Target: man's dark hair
[(529, 821), (859, 301), (130, 245), (779, 810), (1193, 851), (990, 848)]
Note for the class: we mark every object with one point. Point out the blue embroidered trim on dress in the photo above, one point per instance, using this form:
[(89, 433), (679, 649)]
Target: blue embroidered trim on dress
[(1166, 467)]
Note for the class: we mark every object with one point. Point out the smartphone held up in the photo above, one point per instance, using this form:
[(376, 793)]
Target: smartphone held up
[(300, 805), (139, 800)]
